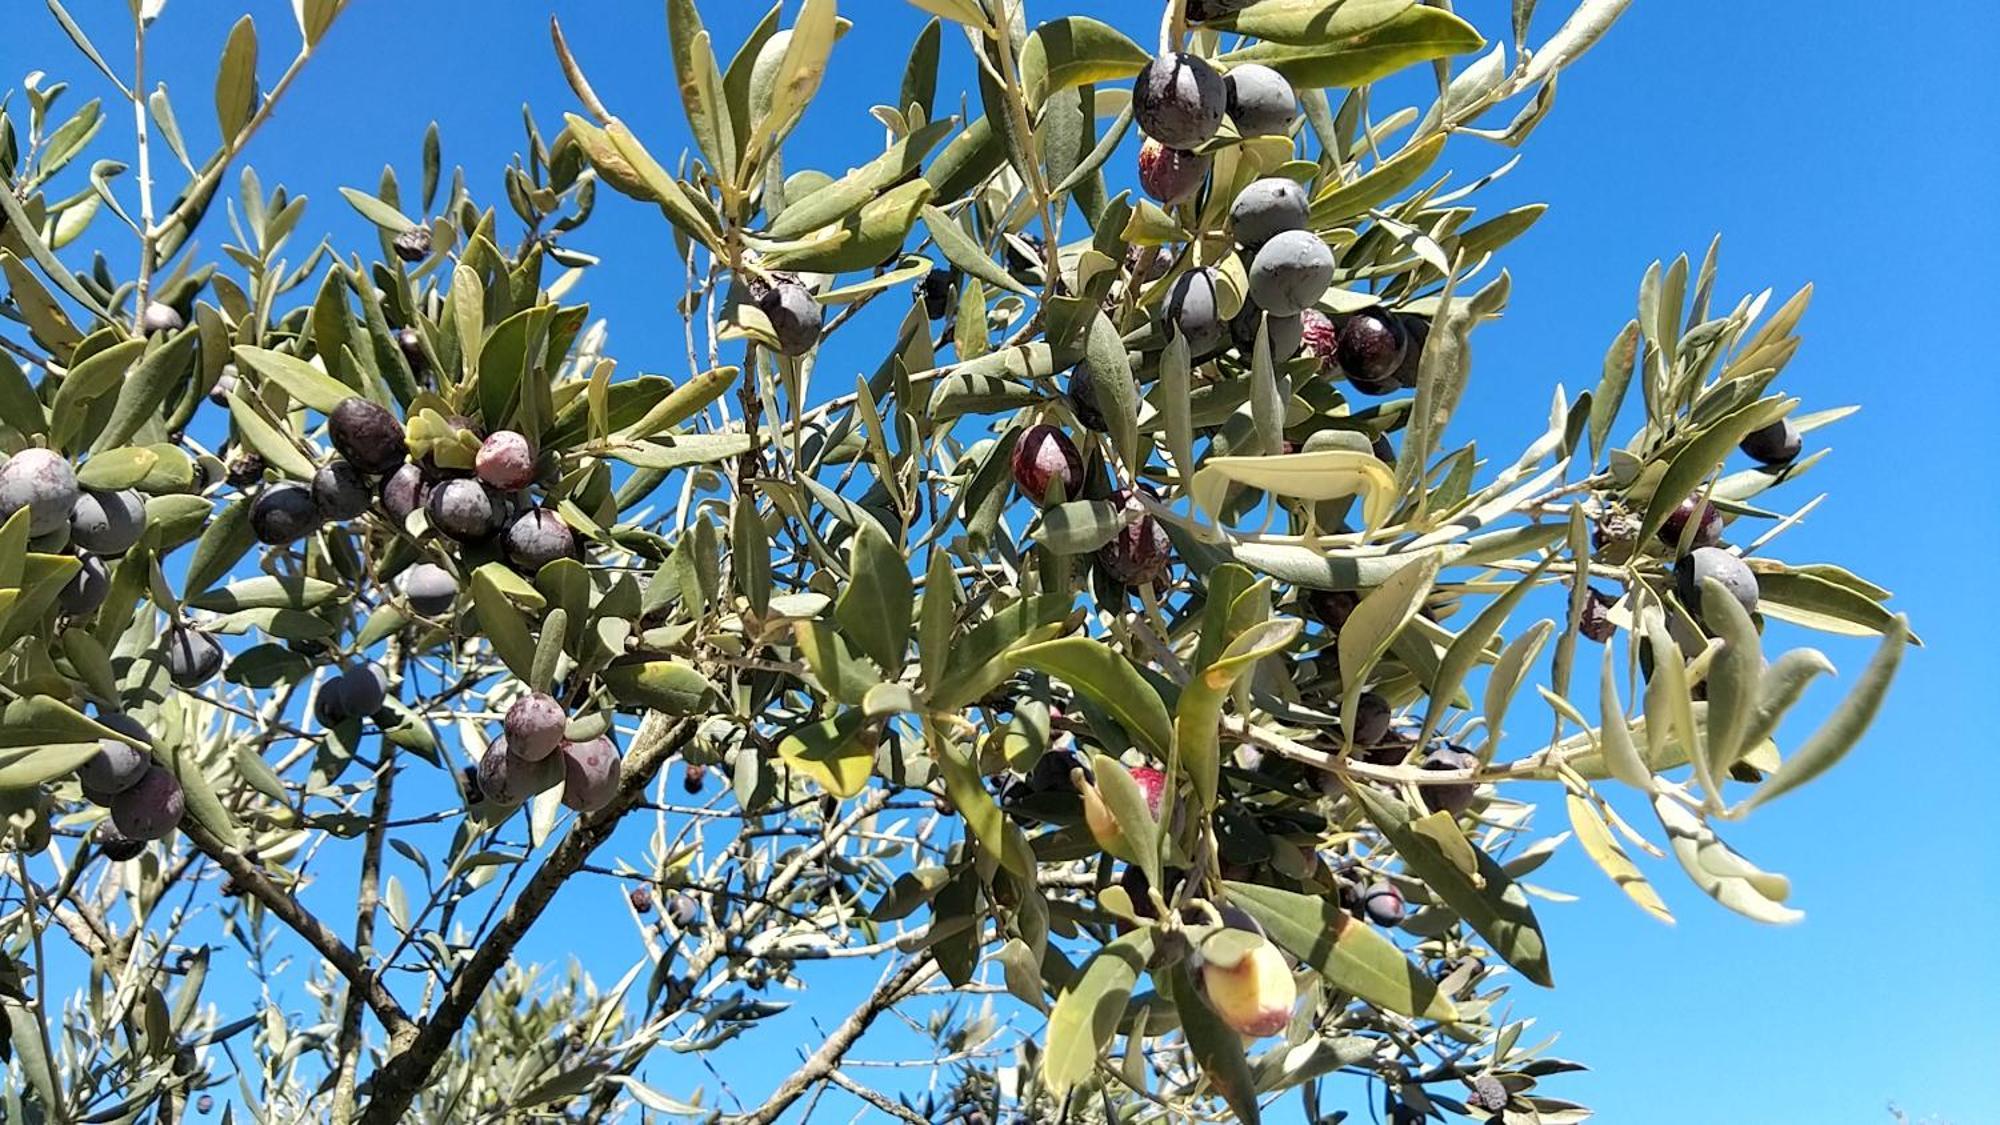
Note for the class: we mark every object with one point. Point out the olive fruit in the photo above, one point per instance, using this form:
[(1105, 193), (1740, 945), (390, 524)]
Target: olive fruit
[(1775, 444), (360, 691), (151, 808), (1703, 515), (1266, 208), (116, 845), (193, 656), (107, 523), (1043, 456), (366, 434), (413, 245), (794, 313), (41, 481), (1370, 347), (1593, 620), (1383, 904), (160, 317), (684, 910), (225, 385), (117, 765), (590, 773), (284, 512), (693, 778), (1371, 719), (507, 780), (1260, 100), (1319, 337), (404, 491), (1453, 799), (534, 725), (506, 461), (641, 899), (1193, 309), (537, 538), (465, 509), (1152, 786), (1332, 607), (1083, 399), (1290, 272), (1141, 552), (1179, 100), (935, 289), (340, 491), (1719, 564), (1416, 331), (429, 588), (245, 468), (1254, 996), (1170, 175), (87, 589), (1286, 333)]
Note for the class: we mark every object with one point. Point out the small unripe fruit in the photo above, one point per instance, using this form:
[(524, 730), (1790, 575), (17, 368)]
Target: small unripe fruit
[(1141, 552), (537, 538), (1594, 619), (506, 461), (465, 509), (1775, 444), (366, 434), (534, 725), (1261, 101), (1170, 175), (1453, 799), (1371, 347), (641, 899), (684, 910), (193, 656), (41, 481), (1703, 515), (116, 766), (1179, 100), (1290, 273), (1320, 338), (204, 1103), (411, 343), (693, 778), (1192, 308), (1042, 457), (1716, 563), (1383, 904), (340, 491), (245, 468), (1255, 996), (151, 808), (507, 780), (87, 589), (160, 317), (1488, 1093), (404, 491), (413, 245), (794, 313), (590, 773), (282, 513), (429, 588), (116, 845), (1267, 208), (107, 523), (1332, 607)]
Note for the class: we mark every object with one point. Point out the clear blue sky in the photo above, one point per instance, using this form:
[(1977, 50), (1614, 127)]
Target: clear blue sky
[(1847, 144)]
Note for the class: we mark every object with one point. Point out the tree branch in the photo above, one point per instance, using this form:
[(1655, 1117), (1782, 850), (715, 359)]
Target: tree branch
[(396, 1084), (307, 925), (825, 1061)]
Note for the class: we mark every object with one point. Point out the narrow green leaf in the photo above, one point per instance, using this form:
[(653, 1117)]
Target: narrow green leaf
[(960, 250), (236, 79), (1349, 954), (1087, 1013), (1110, 680), (1842, 729)]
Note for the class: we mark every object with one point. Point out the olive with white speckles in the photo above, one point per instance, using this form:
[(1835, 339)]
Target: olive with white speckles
[(1178, 100), (1290, 272), (41, 481)]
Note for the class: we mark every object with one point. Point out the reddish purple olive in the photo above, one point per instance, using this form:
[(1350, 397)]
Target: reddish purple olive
[(1141, 552), (413, 245), (1170, 175), (1178, 100), (1594, 619), (1371, 347), (590, 773), (506, 461), (1043, 457), (1703, 515), (507, 780), (1416, 332), (404, 491), (1383, 904), (534, 725)]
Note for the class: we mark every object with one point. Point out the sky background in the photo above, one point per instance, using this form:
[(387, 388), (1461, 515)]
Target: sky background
[(1827, 142)]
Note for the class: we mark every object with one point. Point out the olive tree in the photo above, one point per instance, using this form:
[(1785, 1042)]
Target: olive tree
[(1123, 666)]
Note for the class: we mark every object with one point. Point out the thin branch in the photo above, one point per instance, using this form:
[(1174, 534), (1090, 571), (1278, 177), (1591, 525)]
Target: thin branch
[(826, 1061)]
